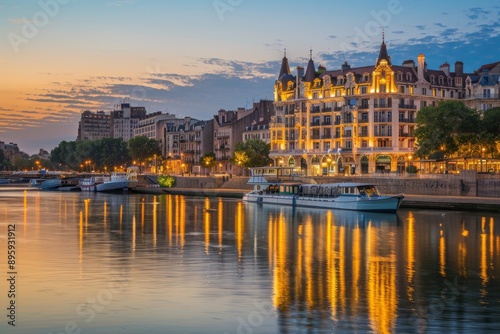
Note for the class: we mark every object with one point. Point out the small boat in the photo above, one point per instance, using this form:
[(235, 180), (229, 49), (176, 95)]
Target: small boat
[(123, 181), (345, 196), (90, 183)]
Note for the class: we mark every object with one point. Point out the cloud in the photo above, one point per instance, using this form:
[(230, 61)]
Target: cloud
[(476, 13)]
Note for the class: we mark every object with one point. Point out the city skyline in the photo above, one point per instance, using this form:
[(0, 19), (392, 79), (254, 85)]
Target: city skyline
[(62, 57)]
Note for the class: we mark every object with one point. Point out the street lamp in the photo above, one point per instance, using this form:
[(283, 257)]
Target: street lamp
[(329, 164)]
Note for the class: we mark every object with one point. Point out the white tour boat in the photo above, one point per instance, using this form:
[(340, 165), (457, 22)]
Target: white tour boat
[(119, 181), (345, 196)]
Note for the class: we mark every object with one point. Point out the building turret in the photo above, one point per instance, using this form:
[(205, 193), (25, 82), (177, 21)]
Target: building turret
[(285, 68), (383, 54), (310, 71)]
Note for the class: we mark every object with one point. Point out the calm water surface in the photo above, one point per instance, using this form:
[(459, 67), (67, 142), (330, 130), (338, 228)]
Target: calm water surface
[(104, 263)]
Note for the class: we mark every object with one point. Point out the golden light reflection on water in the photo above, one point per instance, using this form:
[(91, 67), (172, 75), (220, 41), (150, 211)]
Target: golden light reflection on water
[(326, 264)]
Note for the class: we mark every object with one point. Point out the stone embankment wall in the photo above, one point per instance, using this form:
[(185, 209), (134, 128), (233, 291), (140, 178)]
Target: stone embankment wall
[(467, 183), (433, 184)]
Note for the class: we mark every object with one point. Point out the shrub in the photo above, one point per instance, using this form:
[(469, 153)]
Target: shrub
[(166, 181)]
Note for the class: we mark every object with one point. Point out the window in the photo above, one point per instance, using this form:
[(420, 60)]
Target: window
[(424, 91), (363, 90), (486, 93)]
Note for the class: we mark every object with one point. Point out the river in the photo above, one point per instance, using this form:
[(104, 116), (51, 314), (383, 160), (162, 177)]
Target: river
[(118, 263)]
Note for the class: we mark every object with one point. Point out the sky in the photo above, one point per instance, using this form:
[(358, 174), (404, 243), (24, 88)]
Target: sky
[(194, 57)]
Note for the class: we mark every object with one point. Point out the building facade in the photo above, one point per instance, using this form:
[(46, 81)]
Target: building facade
[(125, 119), (356, 120), (482, 88), (195, 142), (10, 151), (229, 127), (93, 126)]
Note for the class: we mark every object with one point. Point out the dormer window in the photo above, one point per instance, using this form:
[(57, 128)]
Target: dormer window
[(408, 77), (441, 80)]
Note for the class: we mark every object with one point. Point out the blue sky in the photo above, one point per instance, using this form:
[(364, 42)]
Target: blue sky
[(60, 57)]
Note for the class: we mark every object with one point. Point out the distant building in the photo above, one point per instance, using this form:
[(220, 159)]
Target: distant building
[(10, 151), (230, 125), (93, 126), (44, 154), (482, 88), (195, 142), (125, 120), (258, 130)]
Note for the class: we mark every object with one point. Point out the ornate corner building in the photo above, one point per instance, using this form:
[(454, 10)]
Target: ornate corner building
[(358, 120)]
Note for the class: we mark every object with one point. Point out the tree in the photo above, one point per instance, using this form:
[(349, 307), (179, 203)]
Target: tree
[(251, 153), (208, 160), (442, 130), (142, 148)]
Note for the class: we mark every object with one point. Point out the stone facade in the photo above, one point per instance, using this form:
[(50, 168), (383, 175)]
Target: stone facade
[(358, 120)]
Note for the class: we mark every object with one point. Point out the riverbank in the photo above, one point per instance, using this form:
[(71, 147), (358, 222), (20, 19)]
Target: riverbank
[(461, 203)]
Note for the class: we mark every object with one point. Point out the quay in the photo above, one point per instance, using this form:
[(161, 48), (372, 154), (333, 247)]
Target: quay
[(460, 203), (412, 201)]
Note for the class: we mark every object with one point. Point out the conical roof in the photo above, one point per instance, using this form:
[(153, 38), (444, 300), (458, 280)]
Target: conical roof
[(285, 68)]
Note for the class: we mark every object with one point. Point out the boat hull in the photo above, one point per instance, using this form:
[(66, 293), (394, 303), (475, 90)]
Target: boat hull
[(120, 185), (389, 204)]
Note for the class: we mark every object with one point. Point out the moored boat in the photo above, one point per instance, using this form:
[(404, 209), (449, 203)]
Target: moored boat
[(90, 183), (123, 181), (345, 196)]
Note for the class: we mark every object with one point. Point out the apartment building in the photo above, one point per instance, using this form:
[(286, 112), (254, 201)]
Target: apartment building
[(361, 119), (93, 126)]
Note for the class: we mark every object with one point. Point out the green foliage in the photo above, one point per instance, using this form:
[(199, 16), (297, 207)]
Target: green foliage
[(208, 160), (411, 169), (251, 153), (142, 148), (167, 181), (444, 129), (107, 152)]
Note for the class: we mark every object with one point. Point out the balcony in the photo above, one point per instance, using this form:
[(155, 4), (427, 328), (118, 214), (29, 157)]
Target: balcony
[(315, 124), (407, 106), (483, 96), (326, 123)]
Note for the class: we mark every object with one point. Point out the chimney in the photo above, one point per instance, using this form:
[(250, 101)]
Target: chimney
[(409, 63), (421, 67), (445, 68), (459, 69), (346, 67)]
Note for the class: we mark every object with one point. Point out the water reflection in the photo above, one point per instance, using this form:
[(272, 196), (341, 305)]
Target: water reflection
[(203, 264)]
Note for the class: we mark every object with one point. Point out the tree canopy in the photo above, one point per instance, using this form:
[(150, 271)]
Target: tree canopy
[(142, 148), (449, 129), (251, 153), (98, 154), (208, 160)]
